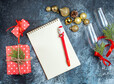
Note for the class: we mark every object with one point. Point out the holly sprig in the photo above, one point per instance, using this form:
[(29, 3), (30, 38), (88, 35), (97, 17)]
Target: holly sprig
[(14, 53), (100, 48), (109, 32)]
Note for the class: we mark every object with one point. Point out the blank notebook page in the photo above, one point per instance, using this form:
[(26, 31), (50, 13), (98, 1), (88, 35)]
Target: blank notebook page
[(49, 49)]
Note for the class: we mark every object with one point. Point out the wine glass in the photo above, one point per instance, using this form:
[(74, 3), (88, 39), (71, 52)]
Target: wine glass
[(100, 18)]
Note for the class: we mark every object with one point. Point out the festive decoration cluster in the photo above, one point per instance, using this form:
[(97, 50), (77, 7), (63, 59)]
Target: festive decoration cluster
[(18, 56), (108, 35), (65, 11)]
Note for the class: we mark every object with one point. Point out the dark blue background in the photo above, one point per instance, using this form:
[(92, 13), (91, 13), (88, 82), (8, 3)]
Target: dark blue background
[(91, 71)]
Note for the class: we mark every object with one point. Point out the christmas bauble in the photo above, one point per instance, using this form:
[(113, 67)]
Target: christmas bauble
[(48, 9), (83, 16), (74, 28), (77, 20), (55, 9), (68, 20), (86, 22), (65, 11)]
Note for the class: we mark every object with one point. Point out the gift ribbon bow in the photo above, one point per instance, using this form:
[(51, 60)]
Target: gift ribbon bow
[(18, 60), (19, 28), (109, 52), (101, 58)]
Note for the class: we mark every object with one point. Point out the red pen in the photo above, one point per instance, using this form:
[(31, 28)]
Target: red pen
[(61, 35)]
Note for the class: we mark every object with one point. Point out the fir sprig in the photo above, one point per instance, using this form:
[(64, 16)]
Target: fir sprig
[(14, 53), (100, 49), (109, 32)]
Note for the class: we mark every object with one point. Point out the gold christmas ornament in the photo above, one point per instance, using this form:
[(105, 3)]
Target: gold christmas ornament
[(83, 16), (77, 20), (68, 20), (74, 28), (55, 8), (86, 22), (65, 11), (48, 9)]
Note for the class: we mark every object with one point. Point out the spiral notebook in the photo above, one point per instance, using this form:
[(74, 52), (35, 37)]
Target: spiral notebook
[(49, 49)]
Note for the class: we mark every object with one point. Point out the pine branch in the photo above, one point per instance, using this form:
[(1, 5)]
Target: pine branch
[(14, 53), (100, 49), (109, 32), (112, 27)]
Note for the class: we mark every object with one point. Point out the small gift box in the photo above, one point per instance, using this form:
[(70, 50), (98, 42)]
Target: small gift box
[(20, 27), (18, 59)]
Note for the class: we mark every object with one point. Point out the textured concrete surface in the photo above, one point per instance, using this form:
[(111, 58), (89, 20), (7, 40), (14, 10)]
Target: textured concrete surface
[(91, 71)]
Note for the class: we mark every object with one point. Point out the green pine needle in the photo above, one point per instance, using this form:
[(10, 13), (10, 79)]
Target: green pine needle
[(14, 53), (109, 32), (100, 49)]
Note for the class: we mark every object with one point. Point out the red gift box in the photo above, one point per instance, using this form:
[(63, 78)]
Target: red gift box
[(23, 24), (12, 67), (19, 28)]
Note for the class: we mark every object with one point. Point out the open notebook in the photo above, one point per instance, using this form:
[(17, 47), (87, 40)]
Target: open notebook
[(49, 49)]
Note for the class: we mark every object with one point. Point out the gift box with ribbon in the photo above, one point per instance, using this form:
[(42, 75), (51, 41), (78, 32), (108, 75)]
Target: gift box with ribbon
[(18, 59), (19, 28), (18, 56)]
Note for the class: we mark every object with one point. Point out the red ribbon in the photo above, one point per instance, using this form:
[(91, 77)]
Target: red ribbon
[(100, 37), (109, 52), (21, 30), (111, 47), (103, 59)]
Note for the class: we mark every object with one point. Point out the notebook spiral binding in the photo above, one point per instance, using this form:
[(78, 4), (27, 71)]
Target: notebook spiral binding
[(43, 26)]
